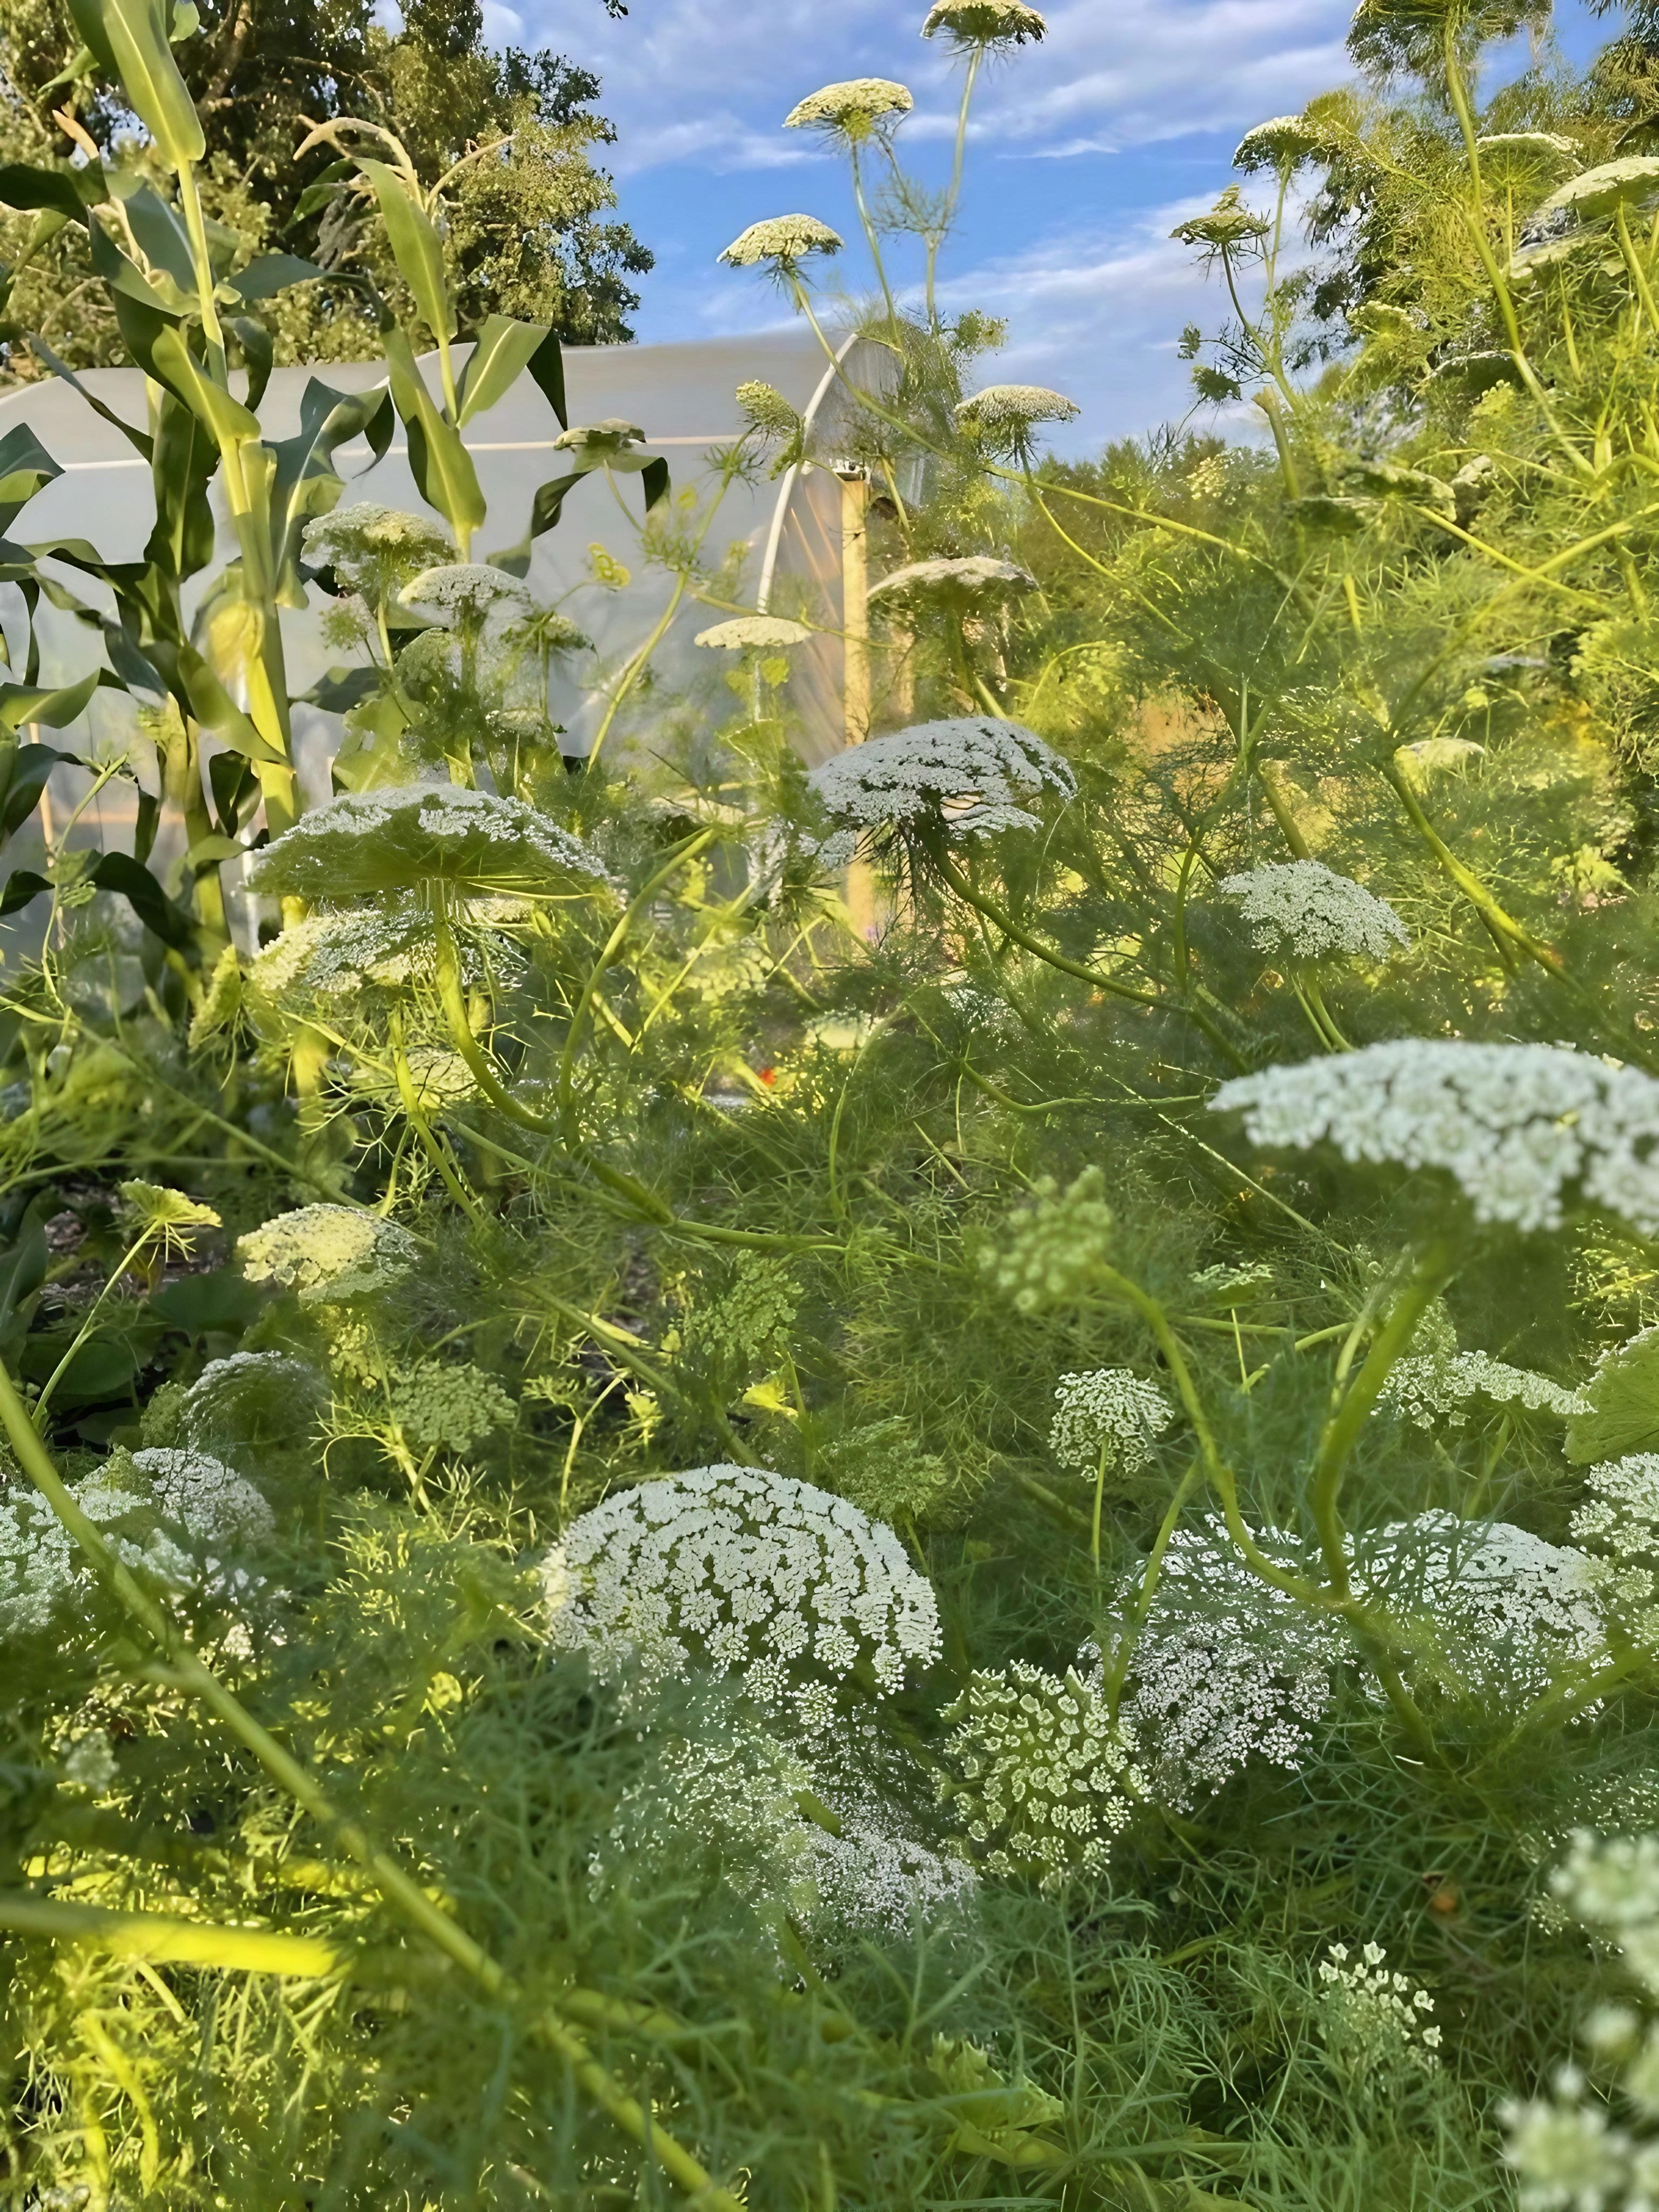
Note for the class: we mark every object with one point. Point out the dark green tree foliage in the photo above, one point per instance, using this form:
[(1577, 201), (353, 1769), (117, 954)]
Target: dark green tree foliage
[(528, 233)]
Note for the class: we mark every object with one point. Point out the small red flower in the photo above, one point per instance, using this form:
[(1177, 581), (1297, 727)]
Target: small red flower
[(767, 1074)]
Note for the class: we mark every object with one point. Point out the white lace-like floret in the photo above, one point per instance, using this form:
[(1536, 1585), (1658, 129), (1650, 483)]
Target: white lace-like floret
[(860, 102), (1043, 1778), (464, 587), (444, 817), (784, 238), (208, 1499), (1228, 1670), (1428, 1388), (333, 954), (1109, 1411), (1307, 909), (947, 772), (1514, 1125), (328, 1252), (973, 576), (1618, 1522), (1567, 2157), (450, 1404), (1375, 2018), (1010, 412), (758, 631), (749, 1571), (1282, 141)]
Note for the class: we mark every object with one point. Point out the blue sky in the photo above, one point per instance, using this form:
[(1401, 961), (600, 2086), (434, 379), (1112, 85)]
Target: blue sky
[(1085, 150)]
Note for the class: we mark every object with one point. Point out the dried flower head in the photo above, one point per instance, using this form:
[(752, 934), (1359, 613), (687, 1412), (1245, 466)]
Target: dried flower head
[(1041, 1778), (748, 1570), (754, 633), (1519, 1127), (786, 240), (984, 23), (959, 778), (853, 110), (326, 1253), (1305, 911), (1108, 1416)]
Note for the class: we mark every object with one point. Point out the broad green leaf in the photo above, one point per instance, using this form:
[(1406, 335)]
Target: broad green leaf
[(306, 482), (271, 274), (258, 352), (57, 707), (230, 422), (161, 232), (22, 885), (545, 508), (185, 457), (68, 192), (129, 38), (126, 280), (438, 460), (120, 872), (25, 467), (216, 710), (23, 773), (1618, 1407), (414, 247), (136, 438), (503, 350)]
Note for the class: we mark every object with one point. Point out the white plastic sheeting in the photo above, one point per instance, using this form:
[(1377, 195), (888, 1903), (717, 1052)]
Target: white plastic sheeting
[(682, 397)]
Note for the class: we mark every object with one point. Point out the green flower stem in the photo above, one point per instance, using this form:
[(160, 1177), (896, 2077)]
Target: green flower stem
[(165, 1939), (85, 1329), (1502, 925), (1004, 921), (400, 1890), (1117, 1674), (1429, 1277)]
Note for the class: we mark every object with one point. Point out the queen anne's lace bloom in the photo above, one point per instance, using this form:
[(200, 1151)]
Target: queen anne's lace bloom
[(206, 1498), (1516, 1125), (1042, 1779), (1055, 1246), (450, 1404), (1305, 909), (1007, 415), (1109, 1412), (851, 107), (464, 587), (370, 842), (1618, 1522), (1429, 1386), (328, 1252), (984, 22), (746, 1570), (1374, 2018), (973, 576), (762, 631), (786, 238), (1283, 142), (965, 776)]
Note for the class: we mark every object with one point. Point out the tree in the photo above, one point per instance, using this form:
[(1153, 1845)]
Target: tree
[(525, 230)]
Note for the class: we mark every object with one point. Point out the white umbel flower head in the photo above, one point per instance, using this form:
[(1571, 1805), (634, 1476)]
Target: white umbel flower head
[(596, 443), (745, 1570), (786, 240), (966, 579), (749, 633), (1109, 1411), (365, 842), (1005, 416), (468, 589), (208, 1499), (1284, 142), (1306, 910), (984, 23), (1043, 1778), (963, 777), (851, 110), (1426, 1387), (1517, 1126), (1375, 2020), (326, 1253), (1618, 1522)]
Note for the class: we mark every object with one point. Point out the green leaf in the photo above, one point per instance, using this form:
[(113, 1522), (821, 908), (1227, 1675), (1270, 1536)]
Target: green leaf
[(306, 482), (272, 273), (161, 232), (416, 247), (183, 461), (545, 508), (504, 348), (230, 422), (129, 38), (138, 439), (216, 710), (258, 352), (341, 689), (56, 709), (120, 872), (127, 280), (23, 773), (324, 187), (1618, 1407), (438, 460), (25, 467), (68, 192), (225, 1299), (547, 368), (653, 477), (22, 887)]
